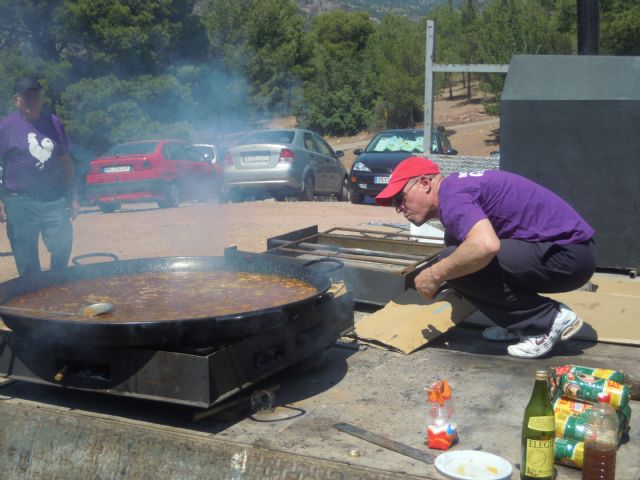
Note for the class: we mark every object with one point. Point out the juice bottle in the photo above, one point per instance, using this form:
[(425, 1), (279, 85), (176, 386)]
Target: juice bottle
[(600, 441), (538, 433)]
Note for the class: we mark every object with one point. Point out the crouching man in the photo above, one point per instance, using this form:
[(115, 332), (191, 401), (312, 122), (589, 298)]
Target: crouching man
[(507, 240)]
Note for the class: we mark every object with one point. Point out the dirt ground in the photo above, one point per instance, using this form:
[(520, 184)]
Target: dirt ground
[(193, 229)]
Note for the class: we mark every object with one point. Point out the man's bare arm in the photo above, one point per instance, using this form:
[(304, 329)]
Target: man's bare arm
[(476, 251)]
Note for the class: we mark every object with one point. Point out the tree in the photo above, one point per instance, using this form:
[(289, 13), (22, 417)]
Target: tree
[(448, 45), (29, 25), (336, 100), (470, 42), (262, 40), (275, 29), (510, 27), (226, 23), (620, 27), (395, 62), (101, 112), (129, 38)]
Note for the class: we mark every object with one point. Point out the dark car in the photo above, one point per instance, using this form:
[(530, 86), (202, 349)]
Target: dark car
[(284, 163), (164, 171), (372, 168)]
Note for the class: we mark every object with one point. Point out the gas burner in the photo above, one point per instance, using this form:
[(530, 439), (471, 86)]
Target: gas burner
[(193, 376)]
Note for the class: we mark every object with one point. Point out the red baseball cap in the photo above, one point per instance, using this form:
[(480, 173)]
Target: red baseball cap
[(406, 170)]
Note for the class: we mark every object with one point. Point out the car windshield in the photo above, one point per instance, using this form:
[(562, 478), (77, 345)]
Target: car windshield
[(269, 136), (139, 148), (206, 150), (397, 142)]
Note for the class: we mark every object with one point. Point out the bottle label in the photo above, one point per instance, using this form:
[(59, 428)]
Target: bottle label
[(542, 424), (540, 458)]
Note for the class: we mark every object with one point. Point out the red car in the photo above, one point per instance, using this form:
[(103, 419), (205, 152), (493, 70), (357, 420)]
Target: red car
[(164, 171)]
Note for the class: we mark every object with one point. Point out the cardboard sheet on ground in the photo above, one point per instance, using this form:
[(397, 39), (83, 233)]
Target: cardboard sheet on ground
[(608, 317), (610, 314), (410, 321)]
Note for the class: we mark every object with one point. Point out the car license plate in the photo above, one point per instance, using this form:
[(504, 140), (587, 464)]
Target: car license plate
[(256, 158), (381, 179), (124, 168)]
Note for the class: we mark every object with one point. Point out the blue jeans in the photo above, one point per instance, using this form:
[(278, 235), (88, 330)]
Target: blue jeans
[(27, 219)]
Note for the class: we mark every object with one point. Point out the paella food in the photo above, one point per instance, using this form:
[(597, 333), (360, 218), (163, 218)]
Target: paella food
[(157, 296)]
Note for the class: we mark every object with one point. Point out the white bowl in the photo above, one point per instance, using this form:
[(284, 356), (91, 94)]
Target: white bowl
[(473, 465)]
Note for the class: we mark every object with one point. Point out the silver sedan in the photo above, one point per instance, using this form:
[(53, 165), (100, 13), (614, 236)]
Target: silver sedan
[(283, 163)]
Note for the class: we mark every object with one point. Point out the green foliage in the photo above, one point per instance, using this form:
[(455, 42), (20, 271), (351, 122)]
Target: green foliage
[(517, 27), (262, 39), (52, 75), (103, 111), (118, 70), (106, 110), (28, 25), (510, 27), (620, 27), (130, 37), (378, 9), (395, 61), (336, 99), (275, 33), (335, 113), (226, 24), (448, 22)]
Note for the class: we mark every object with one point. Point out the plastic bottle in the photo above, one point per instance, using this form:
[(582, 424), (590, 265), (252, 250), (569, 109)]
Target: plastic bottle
[(538, 433), (442, 431), (600, 441)]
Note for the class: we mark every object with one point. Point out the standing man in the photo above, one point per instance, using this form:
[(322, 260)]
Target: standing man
[(38, 195), (507, 240)]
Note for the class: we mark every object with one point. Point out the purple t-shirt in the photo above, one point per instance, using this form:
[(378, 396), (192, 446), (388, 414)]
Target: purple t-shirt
[(31, 153), (516, 207)]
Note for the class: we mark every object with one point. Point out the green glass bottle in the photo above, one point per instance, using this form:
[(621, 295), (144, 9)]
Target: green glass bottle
[(538, 433)]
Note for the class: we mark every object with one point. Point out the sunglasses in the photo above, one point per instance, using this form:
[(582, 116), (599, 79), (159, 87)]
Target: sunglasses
[(399, 200)]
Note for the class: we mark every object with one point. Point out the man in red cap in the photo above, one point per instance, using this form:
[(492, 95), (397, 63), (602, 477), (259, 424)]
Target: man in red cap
[(507, 240)]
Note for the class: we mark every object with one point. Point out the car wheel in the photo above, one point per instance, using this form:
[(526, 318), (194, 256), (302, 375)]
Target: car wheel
[(108, 207), (171, 197), (307, 189), (343, 195), (280, 197), (356, 198)]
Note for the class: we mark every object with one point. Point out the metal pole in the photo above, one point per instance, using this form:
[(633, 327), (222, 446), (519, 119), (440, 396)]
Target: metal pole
[(588, 27), (428, 86)]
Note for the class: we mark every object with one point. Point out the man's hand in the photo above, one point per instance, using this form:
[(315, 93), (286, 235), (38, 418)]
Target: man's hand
[(476, 251), (3, 214), (74, 208), (427, 284)]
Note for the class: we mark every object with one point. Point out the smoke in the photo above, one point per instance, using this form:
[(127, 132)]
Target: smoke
[(108, 94)]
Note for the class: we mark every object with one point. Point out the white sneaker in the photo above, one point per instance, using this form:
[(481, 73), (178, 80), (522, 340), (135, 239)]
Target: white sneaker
[(566, 324), (499, 334)]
